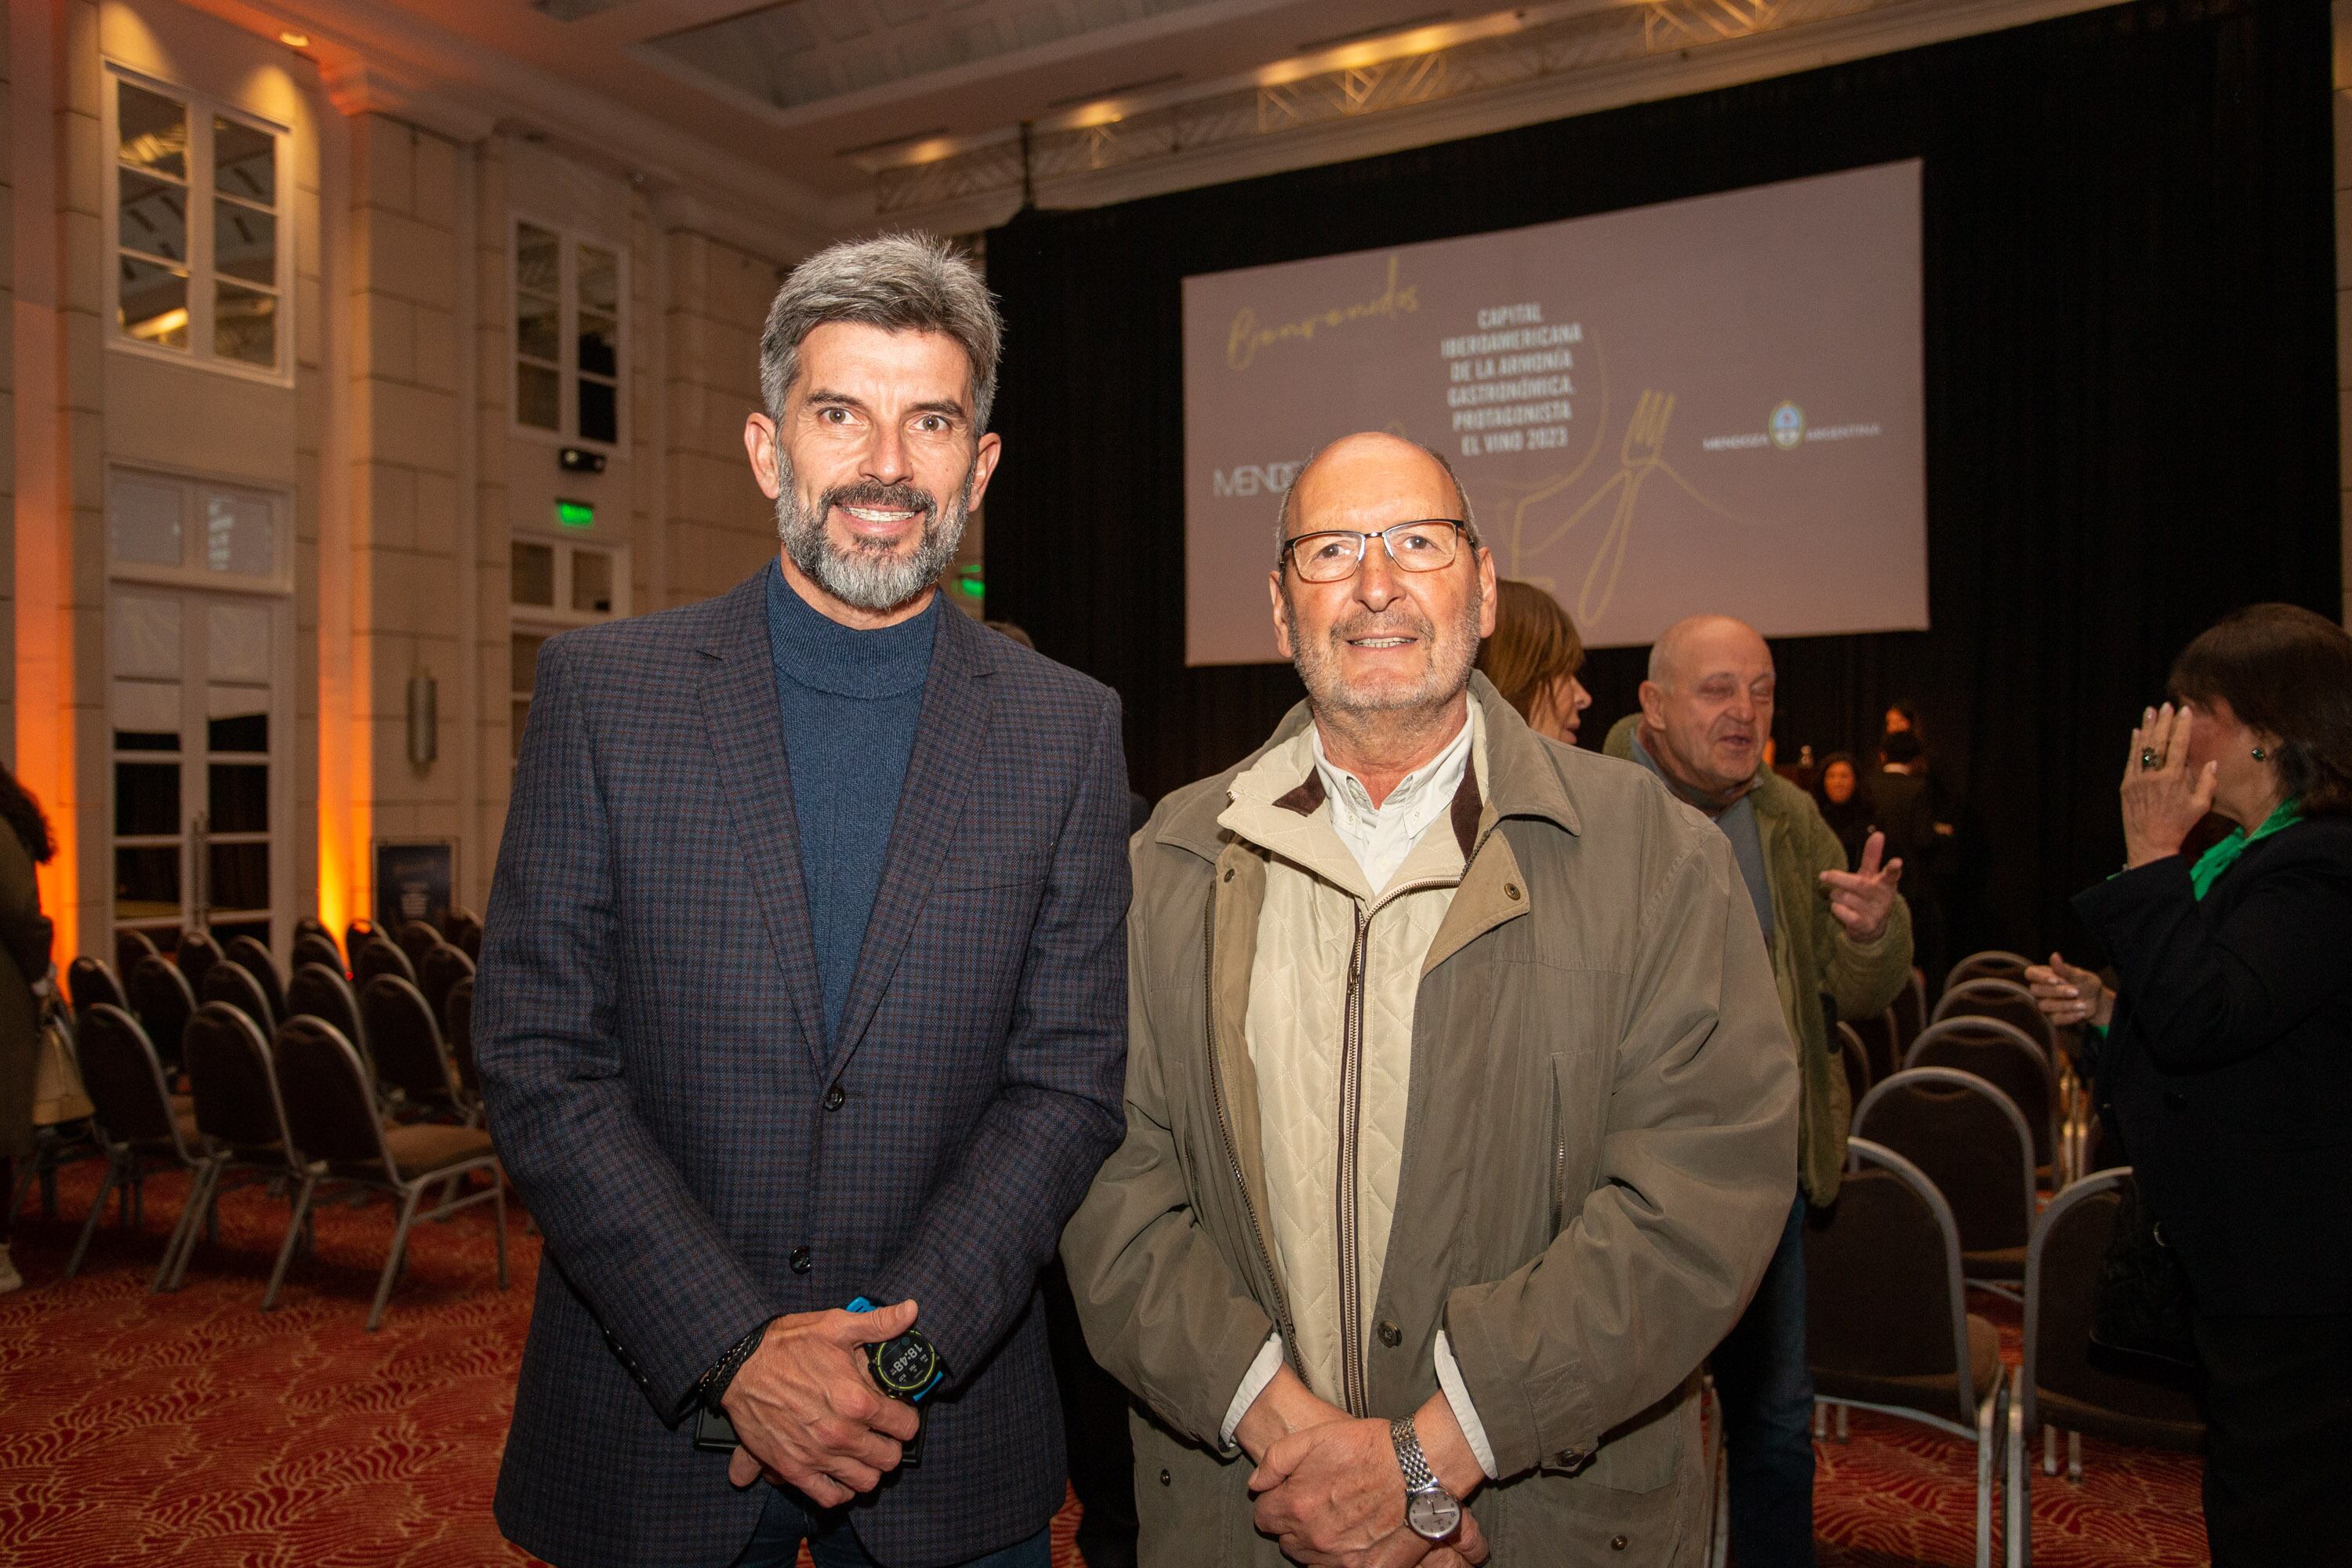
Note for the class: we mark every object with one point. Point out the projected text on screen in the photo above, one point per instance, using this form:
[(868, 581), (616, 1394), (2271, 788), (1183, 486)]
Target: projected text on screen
[(1709, 405)]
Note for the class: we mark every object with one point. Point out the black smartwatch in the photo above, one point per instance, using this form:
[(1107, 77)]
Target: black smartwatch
[(905, 1369)]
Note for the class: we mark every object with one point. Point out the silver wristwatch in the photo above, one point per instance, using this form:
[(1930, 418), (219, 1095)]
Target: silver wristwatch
[(1432, 1511)]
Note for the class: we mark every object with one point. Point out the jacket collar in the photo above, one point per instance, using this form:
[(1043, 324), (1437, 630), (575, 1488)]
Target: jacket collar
[(1522, 778)]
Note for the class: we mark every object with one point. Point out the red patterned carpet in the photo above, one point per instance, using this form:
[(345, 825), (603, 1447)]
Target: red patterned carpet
[(194, 1430)]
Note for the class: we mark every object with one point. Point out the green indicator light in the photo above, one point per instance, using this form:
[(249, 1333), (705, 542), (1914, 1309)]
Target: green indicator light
[(575, 514)]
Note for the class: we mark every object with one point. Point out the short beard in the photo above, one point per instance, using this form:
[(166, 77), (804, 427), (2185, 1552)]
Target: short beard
[(871, 578), (1449, 668)]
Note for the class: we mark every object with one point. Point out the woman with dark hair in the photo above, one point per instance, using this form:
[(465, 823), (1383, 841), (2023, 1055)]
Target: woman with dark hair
[(1837, 790), (2225, 1065), (24, 964), (1533, 657)]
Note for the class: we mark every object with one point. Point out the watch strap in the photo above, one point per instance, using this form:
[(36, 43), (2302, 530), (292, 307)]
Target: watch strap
[(1418, 1477)]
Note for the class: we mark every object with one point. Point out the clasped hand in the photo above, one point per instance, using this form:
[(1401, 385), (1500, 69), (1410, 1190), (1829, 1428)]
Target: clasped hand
[(1330, 1491), (807, 1414)]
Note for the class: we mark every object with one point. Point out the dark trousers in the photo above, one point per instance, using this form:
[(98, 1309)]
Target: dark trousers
[(2278, 1450), (1766, 1389), (788, 1520)]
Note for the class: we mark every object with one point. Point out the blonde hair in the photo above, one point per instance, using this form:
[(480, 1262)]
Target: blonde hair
[(1534, 644)]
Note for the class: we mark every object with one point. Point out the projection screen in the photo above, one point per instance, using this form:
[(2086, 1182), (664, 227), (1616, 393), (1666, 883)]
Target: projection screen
[(1708, 405)]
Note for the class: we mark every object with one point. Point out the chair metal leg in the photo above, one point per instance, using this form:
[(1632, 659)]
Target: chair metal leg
[(97, 1214), (184, 1235), (2049, 1449), (2017, 1495), (499, 1218), (1992, 1417), (211, 1211), (399, 1248), (2073, 1458), (1844, 1422), (297, 1226)]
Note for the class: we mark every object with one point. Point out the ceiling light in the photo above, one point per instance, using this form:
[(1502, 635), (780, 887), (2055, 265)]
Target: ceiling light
[(1361, 33), (1121, 90), (294, 40)]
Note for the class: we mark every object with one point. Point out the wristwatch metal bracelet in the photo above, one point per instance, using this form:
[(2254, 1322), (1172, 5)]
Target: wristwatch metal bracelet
[(1433, 1513)]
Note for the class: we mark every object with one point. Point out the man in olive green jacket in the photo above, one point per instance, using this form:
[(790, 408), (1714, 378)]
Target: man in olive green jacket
[(1838, 936), (1595, 1144)]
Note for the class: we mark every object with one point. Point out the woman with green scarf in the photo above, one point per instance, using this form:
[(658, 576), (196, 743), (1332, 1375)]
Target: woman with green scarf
[(2223, 1060)]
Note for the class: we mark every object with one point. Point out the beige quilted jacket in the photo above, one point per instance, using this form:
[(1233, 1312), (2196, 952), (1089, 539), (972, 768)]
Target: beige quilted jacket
[(1598, 1151)]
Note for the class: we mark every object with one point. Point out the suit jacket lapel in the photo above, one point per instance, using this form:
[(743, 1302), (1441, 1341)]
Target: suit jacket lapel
[(939, 776), (747, 735)]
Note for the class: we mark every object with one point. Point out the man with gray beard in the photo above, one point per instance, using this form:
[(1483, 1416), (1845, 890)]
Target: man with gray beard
[(1459, 1108), (799, 1016)]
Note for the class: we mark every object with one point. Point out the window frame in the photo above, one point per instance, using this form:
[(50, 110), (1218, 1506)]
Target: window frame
[(192, 485), (546, 620), (203, 276), (568, 373)]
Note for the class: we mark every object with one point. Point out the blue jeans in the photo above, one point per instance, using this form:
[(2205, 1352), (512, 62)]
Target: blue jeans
[(786, 1522), (1766, 1389)]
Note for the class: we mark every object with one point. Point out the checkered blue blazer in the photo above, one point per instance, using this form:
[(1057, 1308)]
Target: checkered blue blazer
[(648, 1030)]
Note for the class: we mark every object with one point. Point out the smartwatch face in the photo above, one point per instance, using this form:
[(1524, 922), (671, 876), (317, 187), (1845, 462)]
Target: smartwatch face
[(906, 1365), (1434, 1515)]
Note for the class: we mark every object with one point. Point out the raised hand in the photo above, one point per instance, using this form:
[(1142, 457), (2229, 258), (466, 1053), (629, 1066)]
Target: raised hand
[(1863, 898), (806, 1412), (2162, 800), (2068, 994)]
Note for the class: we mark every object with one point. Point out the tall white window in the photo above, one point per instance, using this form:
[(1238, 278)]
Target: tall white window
[(556, 584), (568, 295), (200, 258)]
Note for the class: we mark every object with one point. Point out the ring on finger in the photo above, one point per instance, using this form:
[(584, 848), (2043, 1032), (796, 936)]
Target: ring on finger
[(2147, 757)]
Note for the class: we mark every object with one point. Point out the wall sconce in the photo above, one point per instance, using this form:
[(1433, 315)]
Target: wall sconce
[(424, 720)]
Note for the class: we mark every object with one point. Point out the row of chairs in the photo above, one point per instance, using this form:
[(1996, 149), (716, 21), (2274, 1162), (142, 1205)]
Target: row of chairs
[(301, 1108), (1888, 1330)]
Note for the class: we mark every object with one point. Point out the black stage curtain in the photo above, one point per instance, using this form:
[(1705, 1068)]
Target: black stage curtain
[(2130, 363)]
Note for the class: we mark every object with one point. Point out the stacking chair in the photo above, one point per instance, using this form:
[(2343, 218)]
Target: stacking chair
[(1856, 1056), (311, 925), (249, 954), (241, 1119), (381, 955), (139, 1128), (1881, 1045), (465, 933), (316, 947), (1993, 964), (2060, 1386), (1886, 1324), (235, 984), (458, 1029), (355, 937), (411, 1059), (198, 952), (2005, 1056), (1907, 1014), (318, 992), (56, 1144), (2007, 1000), (1969, 1139), (442, 969), (129, 947), (88, 981), (416, 938), (332, 1114), (162, 1001)]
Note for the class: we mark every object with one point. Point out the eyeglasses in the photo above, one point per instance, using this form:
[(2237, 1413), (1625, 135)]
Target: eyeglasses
[(1333, 554)]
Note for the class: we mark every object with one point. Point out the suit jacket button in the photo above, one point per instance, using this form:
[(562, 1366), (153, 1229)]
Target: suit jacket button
[(1390, 1335), (835, 1096), (2175, 1100), (799, 1259)]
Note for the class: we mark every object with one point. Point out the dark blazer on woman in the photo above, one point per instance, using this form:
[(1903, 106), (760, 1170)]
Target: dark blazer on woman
[(2228, 1071), (649, 1027)]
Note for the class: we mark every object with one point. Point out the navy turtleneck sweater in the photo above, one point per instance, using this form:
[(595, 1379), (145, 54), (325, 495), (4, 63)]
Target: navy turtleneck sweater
[(850, 700)]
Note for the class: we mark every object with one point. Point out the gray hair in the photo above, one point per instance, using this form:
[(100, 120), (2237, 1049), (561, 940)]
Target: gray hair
[(1282, 513), (900, 282)]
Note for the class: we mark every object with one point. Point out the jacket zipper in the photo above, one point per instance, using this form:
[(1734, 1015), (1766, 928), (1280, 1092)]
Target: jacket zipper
[(1559, 1156), (1353, 1394), (1226, 1132)]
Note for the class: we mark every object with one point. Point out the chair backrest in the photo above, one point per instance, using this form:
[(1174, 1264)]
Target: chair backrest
[(465, 933), (318, 992), (1907, 1015), (1966, 1137), (442, 969), (1883, 1284), (2003, 999), (196, 953), (406, 1041), (311, 925), (249, 954), (330, 1105), (236, 1089), (89, 982), (124, 1079), (1993, 964), (416, 938), (2062, 1275), (381, 955), (129, 947), (313, 947), (232, 984), (1856, 1056), (164, 1001), (355, 937), (2003, 1056), (458, 1029)]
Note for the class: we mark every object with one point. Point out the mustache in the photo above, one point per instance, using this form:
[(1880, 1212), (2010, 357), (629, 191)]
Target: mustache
[(1411, 624), (900, 497)]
